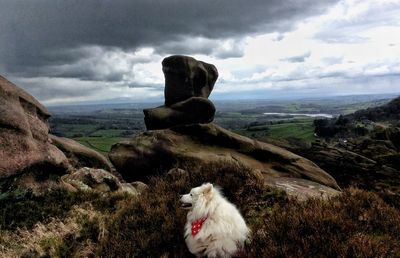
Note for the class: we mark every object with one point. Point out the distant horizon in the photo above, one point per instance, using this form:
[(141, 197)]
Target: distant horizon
[(292, 98)]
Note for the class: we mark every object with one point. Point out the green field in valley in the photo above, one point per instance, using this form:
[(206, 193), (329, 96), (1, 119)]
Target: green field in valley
[(100, 144), (302, 130)]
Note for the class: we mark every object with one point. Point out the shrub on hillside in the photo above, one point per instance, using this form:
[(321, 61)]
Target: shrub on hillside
[(354, 224)]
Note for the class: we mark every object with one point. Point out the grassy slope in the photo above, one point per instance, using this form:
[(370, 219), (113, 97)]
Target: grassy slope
[(300, 129), (355, 224), (91, 136), (303, 130)]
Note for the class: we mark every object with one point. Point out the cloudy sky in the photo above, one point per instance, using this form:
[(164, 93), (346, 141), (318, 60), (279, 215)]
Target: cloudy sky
[(72, 51)]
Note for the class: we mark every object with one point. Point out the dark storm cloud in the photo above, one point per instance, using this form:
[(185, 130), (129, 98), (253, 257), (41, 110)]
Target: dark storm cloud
[(40, 33), (213, 47)]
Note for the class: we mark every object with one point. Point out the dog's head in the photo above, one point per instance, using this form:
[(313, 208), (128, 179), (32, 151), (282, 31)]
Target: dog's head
[(197, 195)]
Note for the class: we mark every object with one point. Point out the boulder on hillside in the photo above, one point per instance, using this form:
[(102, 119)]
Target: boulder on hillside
[(153, 151), (25, 145), (188, 83), (79, 155)]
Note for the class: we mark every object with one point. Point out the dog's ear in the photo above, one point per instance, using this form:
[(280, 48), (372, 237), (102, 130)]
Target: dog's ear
[(207, 188)]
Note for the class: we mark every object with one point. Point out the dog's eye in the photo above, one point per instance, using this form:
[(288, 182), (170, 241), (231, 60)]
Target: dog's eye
[(191, 195)]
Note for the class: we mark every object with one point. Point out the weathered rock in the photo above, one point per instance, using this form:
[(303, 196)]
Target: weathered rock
[(301, 189), (190, 111), (188, 83), (24, 137), (86, 179), (185, 77), (159, 150), (79, 155)]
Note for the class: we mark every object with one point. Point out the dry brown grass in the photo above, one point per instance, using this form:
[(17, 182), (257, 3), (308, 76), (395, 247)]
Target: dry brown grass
[(354, 224), (49, 239)]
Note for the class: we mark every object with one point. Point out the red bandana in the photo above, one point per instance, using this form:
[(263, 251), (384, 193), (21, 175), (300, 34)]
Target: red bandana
[(196, 225)]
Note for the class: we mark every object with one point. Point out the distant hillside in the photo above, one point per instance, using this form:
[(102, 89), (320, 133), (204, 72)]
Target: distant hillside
[(362, 122), (388, 112), (362, 148)]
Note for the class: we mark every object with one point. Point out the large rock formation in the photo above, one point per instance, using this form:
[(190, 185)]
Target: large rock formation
[(24, 134), (28, 154), (188, 83), (184, 139), (153, 151)]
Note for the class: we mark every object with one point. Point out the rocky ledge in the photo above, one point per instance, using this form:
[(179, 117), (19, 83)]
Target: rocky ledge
[(159, 150)]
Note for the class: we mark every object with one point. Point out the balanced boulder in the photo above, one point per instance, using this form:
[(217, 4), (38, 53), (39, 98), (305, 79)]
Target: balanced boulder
[(185, 77), (188, 83)]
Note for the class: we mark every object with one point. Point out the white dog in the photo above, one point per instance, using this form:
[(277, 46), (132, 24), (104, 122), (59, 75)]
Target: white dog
[(214, 227)]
